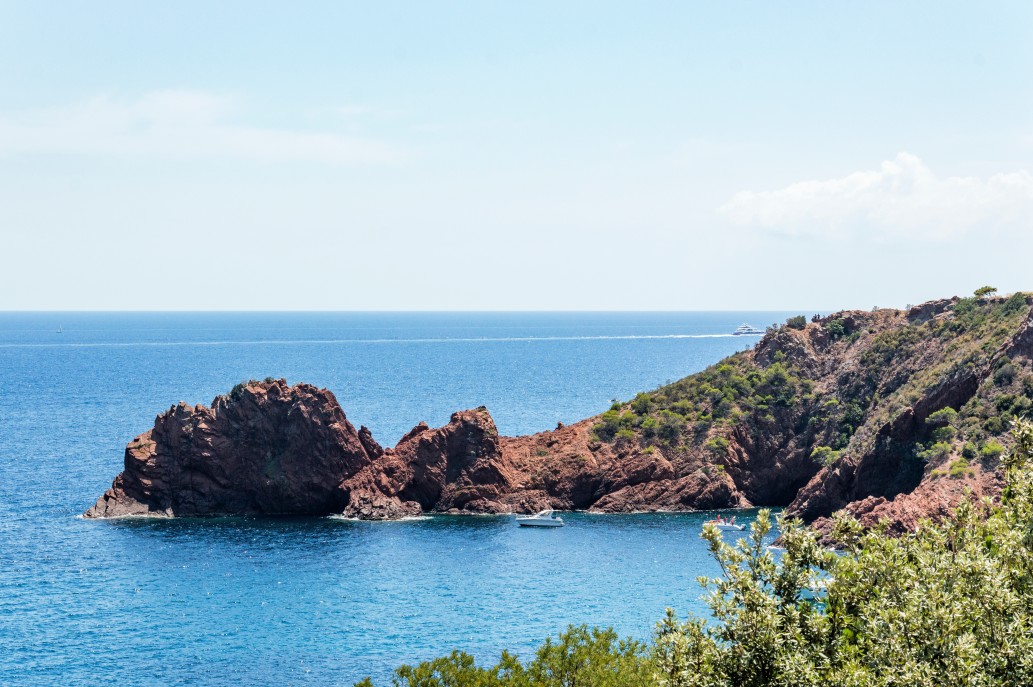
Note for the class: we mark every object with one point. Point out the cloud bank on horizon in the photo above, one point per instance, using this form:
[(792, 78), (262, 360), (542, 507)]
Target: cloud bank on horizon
[(902, 198)]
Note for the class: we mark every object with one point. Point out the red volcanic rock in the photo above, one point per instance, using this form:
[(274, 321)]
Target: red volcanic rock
[(265, 448), (268, 448), (456, 467), (697, 491), (933, 499), (882, 469), (754, 430), (927, 311)]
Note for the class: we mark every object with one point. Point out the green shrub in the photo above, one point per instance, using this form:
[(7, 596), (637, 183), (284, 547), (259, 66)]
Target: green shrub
[(580, 656), (612, 422), (1005, 374), (964, 307), (992, 450), (717, 446), (938, 450), (237, 392), (984, 291), (959, 467), (1005, 402), (942, 417), (798, 322), (671, 426), (835, 329), (1015, 303), (993, 425), (685, 408), (641, 404), (624, 434), (825, 455)]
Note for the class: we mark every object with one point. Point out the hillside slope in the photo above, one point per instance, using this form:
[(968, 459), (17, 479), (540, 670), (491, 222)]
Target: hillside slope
[(890, 414)]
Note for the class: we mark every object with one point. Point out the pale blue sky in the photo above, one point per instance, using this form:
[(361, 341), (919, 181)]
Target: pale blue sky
[(493, 156)]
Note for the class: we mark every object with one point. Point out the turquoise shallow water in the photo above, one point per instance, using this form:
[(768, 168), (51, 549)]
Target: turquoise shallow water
[(317, 601)]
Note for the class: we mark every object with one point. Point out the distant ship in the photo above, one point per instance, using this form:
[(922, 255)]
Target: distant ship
[(745, 329)]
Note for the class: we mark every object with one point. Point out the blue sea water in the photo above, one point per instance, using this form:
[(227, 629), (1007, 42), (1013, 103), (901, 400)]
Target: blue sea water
[(294, 601)]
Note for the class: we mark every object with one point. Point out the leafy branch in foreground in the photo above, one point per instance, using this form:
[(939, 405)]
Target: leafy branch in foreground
[(949, 605)]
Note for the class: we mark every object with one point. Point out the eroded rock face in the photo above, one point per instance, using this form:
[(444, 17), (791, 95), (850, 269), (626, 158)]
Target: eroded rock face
[(888, 479), (888, 467), (265, 448), (458, 467), (931, 499), (269, 448)]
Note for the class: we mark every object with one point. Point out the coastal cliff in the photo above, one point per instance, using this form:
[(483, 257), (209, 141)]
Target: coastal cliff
[(888, 414)]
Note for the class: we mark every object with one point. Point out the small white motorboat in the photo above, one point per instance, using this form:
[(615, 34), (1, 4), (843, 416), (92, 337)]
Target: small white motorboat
[(725, 525), (543, 519), (747, 330)]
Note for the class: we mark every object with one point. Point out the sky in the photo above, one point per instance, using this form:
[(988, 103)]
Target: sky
[(512, 155)]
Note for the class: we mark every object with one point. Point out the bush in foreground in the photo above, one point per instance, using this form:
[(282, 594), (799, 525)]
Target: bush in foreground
[(579, 658), (951, 604)]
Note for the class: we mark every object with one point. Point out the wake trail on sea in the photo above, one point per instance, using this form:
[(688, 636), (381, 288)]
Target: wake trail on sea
[(323, 342)]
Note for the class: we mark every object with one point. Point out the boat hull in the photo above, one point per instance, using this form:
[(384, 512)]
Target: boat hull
[(532, 522), (726, 526)]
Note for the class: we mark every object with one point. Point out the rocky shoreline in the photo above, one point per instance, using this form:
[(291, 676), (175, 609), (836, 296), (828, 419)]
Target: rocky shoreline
[(271, 448), (820, 416)]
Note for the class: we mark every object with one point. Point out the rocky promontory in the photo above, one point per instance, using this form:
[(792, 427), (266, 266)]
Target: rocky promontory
[(889, 414), (271, 448)]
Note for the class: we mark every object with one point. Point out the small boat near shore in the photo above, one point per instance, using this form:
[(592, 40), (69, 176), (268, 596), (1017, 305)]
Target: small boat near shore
[(725, 524), (546, 518)]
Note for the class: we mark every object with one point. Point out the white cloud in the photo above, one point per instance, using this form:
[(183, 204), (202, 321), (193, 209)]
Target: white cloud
[(901, 198), (180, 124)]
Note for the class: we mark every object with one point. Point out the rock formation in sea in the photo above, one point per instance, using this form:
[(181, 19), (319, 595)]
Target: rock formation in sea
[(889, 414), (271, 448)]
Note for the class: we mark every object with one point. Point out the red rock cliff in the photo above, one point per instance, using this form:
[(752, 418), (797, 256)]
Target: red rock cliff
[(888, 414)]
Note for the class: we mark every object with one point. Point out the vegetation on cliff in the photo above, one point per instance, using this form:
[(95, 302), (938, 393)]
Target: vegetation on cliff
[(908, 396), (950, 604), (891, 370)]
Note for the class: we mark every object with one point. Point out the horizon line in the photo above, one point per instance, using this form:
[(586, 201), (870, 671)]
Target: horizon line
[(429, 312)]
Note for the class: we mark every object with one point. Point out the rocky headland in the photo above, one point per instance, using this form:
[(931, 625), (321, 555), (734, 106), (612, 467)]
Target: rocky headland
[(889, 414)]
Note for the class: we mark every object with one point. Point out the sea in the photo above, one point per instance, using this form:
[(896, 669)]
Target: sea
[(320, 601)]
